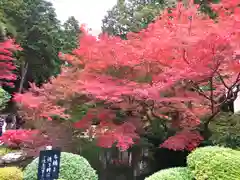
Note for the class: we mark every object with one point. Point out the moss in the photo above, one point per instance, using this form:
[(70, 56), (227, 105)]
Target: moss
[(72, 167), (214, 163), (11, 173), (5, 150), (179, 173)]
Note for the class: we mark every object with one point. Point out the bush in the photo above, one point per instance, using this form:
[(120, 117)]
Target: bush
[(178, 173), (4, 98), (11, 173), (72, 167), (225, 130), (214, 163)]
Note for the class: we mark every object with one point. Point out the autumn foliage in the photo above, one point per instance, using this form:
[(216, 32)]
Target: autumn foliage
[(181, 68), (16, 138), (31, 141), (7, 66)]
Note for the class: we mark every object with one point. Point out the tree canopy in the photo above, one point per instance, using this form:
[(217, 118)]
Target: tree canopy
[(178, 71)]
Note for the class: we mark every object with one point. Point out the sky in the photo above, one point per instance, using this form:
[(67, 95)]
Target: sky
[(90, 12)]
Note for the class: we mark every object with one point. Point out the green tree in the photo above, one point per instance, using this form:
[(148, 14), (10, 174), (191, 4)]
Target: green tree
[(40, 39), (70, 34), (132, 15), (9, 10), (40, 34)]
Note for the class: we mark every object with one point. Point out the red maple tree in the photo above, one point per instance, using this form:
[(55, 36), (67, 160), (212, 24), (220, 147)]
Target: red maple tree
[(181, 68), (7, 47)]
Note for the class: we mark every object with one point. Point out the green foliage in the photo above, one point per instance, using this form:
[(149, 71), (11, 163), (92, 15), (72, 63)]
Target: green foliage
[(91, 152), (40, 34), (205, 163), (132, 15), (70, 34), (214, 163), (11, 173), (39, 37), (7, 8), (79, 110), (72, 167), (179, 173), (225, 130), (5, 150), (205, 8), (4, 98)]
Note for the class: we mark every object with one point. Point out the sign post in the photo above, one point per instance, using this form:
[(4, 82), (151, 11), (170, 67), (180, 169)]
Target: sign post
[(49, 164)]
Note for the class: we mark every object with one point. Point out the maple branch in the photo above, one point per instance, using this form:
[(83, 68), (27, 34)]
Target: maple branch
[(222, 80), (237, 79), (227, 99), (211, 95), (190, 26), (198, 89), (151, 108), (206, 123), (184, 56), (230, 89), (212, 101), (161, 121), (200, 92)]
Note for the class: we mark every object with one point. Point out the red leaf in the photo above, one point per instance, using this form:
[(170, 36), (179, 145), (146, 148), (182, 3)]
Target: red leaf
[(6, 62), (184, 140), (165, 68)]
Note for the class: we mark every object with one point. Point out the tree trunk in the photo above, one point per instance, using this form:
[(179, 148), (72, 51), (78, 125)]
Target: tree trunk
[(24, 70)]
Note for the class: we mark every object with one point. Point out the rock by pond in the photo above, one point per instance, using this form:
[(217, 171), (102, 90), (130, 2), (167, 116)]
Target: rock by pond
[(12, 157)]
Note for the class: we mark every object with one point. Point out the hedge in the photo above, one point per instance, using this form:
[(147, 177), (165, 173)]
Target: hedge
[(11, 173), (214, 163), (72, 167), (177, 173)]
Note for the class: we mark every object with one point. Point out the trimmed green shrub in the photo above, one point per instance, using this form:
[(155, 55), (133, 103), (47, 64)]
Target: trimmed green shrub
[(11, 173), (72, 167), (214, 163), (178, 173)]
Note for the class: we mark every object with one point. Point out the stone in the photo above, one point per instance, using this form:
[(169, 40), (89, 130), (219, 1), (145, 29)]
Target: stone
[(13, 157)]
